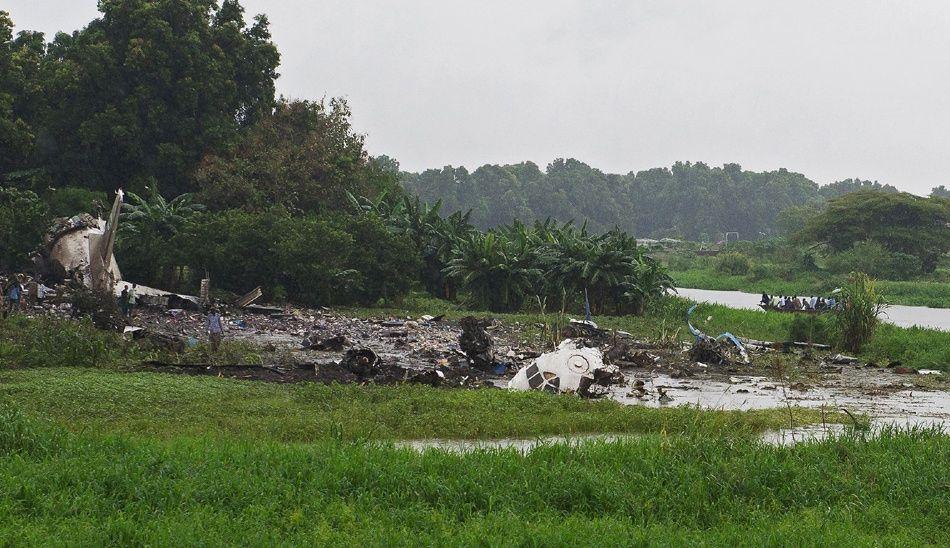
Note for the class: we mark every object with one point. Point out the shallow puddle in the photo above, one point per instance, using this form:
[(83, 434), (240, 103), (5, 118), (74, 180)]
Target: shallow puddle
[(881, 395), (888, 399)]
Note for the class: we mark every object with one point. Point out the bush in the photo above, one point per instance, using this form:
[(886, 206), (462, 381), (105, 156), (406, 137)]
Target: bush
[(387, 264), (812, 328), (49, 342), (315, 260), (875, 260), (733, 263), (761, 272), (685, 261), (857, 317), (240, 250)]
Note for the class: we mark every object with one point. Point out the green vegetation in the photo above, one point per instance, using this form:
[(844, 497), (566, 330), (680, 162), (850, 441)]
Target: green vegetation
[(134, 99), (48, 342), (687, 200), (899, 223), (170, 406), (317, 259), (174, 101), (857, 320), (790, 267), (23, 221), (735, 264), (35, 342), (662, 487)]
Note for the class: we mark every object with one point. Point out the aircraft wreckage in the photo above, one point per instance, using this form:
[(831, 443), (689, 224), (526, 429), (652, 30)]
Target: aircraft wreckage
[(82, 248)]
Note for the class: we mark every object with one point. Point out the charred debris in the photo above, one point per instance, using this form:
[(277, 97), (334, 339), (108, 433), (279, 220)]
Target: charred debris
[(322, 346)]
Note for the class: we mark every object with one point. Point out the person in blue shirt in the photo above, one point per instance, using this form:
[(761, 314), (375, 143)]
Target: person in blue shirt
[(13, 294)]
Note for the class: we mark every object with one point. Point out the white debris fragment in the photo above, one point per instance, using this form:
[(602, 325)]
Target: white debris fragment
[(568, 369)]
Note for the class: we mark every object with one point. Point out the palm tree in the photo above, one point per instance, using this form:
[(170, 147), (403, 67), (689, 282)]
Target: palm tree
[(158, 217), (496, 274), (146, 230), (650, 281)]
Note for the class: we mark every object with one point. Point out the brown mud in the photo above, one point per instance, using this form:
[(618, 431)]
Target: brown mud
[(300, 345)]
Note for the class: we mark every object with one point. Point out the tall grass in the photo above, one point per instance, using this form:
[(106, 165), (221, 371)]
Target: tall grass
[(857, 316), (167, 406), (50, 342), (85, 489)]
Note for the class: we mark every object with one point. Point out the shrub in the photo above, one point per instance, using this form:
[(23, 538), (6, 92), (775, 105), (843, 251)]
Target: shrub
[(761, 272), (387, 264), (49, 342), (315, 260), (273, 250), (733, 263), (857, 317), (685, 261), (875, 260), (812, 328)]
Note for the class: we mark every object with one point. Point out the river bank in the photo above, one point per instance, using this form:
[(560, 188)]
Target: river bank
[(924, 293), (899, 315)]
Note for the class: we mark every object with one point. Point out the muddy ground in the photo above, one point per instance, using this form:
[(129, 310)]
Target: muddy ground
[(302, 345)]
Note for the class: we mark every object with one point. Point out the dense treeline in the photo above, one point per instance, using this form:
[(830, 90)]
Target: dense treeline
[(136, 97), (688, 200)]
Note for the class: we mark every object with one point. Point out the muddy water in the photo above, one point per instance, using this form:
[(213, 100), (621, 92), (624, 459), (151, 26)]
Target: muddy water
[(887, 398), (901, 315), (879, 394)]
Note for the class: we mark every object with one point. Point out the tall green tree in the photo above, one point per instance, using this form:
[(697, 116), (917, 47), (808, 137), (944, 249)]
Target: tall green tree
[(304, 156), (23, 221), (141, 93), (901, 222), (21, 98), (147, 229)]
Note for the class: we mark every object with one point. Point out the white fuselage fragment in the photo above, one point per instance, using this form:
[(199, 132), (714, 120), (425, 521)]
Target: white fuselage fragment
[(570, 368), (73, 251)]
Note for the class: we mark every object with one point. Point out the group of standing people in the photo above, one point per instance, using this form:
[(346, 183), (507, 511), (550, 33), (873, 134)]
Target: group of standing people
[(785, 302), (20, 292), (127, 300)]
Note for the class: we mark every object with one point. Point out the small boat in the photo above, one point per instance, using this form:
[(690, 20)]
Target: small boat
[(770, 308)]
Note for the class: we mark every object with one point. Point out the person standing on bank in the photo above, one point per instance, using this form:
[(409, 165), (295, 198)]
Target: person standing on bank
[(215, 327)]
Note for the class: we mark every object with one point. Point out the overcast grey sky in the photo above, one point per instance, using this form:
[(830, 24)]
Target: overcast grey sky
[(833, 89)]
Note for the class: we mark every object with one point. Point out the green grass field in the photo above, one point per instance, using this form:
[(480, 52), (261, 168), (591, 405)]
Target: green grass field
[(168, 406), (101, 457)]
